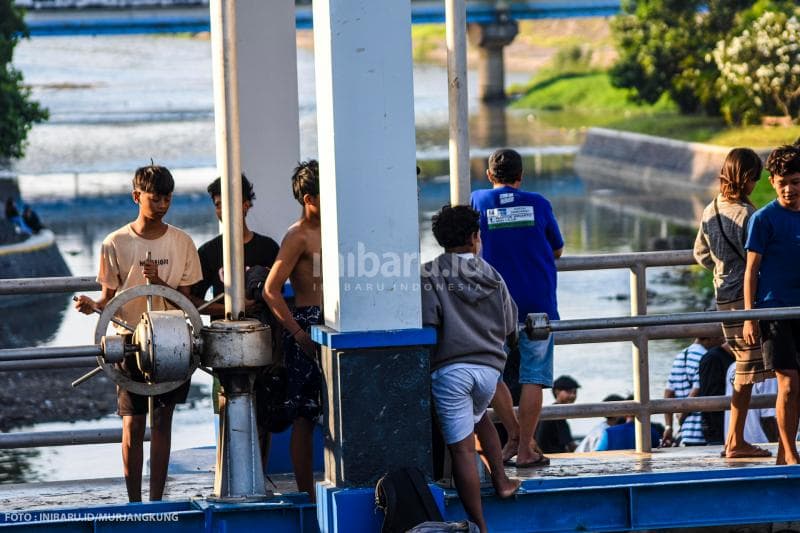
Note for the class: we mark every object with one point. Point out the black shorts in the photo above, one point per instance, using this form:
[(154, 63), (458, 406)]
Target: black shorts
[(132, 404), (780, 343)]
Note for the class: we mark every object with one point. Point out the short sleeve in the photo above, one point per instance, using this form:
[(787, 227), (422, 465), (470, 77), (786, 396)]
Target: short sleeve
[(673, 381), (757, 234), (694, 376), (552, 231), (108, 274), (200, 288), (192, 272)]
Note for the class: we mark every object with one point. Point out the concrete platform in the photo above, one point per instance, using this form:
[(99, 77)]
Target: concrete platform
[(603, 491)]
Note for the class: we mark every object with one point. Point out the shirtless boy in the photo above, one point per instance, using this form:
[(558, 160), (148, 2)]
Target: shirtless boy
[(298, 261)]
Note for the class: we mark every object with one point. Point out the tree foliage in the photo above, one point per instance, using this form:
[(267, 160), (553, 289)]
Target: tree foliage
[(762, 63), (663, 45), (17, 111)]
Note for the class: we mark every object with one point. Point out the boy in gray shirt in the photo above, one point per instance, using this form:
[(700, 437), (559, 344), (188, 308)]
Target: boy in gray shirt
[(467, 301)]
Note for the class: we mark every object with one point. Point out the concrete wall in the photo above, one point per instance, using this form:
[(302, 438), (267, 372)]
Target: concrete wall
[(34, 258), (649, 163)]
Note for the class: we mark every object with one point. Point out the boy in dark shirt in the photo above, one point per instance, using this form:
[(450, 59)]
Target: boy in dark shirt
[(554, 436)]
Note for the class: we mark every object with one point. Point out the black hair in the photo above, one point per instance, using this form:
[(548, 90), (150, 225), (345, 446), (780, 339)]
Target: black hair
[(614, 398), (154, 179), (784, 160), (505, 165), (305, 179), (454, 226), (215, 189)]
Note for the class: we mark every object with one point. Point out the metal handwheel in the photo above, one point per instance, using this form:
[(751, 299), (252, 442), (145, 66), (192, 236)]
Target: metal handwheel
[(167, 343)]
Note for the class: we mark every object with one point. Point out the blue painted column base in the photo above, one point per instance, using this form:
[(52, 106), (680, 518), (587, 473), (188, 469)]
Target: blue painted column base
[(353, 510)]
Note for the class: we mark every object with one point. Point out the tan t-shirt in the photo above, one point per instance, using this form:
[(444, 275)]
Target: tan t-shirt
[(122, 257)]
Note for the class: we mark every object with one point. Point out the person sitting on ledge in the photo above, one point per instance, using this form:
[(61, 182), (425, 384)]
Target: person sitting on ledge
[(12, 215), (468, 303)]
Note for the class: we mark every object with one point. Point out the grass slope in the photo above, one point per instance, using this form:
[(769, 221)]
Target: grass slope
[(588, 99)]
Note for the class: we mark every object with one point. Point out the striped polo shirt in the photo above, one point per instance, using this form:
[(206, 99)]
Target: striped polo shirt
[(685, 376)]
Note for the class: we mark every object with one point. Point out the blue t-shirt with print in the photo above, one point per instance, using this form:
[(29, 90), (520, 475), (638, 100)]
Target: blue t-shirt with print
[(774, 232), (519, 233)]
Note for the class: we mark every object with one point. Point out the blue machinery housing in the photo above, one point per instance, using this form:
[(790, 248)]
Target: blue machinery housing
[(604, 503), (68, 21)]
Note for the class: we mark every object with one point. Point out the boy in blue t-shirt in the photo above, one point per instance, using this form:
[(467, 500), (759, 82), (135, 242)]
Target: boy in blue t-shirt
[(772, 279), (521, 240)]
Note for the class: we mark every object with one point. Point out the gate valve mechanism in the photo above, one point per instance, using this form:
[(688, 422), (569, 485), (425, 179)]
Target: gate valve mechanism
[(537, 326), (166, 345)]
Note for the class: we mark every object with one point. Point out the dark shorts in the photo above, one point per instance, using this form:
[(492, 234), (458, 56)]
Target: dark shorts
[(303, 374), (131, 404), (780, 342)]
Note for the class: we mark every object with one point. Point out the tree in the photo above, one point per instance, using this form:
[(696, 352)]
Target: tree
[(17, 111), (763, 63), (663, 45)]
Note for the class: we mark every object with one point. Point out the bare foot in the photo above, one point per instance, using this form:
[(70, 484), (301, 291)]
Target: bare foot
[(510, 449), (507, 487)]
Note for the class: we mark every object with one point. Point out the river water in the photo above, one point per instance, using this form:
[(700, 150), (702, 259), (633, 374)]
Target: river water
[(115, 102)]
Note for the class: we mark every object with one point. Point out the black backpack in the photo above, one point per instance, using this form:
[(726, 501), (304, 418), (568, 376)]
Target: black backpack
[(405, 499)]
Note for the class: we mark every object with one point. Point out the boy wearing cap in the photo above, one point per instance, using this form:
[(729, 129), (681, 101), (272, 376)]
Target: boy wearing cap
[(554, 436), (521, 239)]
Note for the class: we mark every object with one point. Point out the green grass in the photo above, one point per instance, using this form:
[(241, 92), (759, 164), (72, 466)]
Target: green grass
[(763, 193), (426, 38), (756, 136), (586, 99), (582, 91)]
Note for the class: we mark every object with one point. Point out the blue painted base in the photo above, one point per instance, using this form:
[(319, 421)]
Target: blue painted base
[(629, 502), (353, 510)]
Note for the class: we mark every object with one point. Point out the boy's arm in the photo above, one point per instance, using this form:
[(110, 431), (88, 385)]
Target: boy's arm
[(86, 305), (702, 252), (291, 250), (750, 329), (667, 438)]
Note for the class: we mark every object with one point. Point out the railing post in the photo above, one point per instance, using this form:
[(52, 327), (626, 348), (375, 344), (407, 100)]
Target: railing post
[(641, 367)]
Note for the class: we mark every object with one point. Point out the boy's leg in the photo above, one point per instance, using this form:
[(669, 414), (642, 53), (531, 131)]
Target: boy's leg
[(303, 391), (530, 406), (490, 445), (133, 427), (779, 350), (465, 475), (535, 373), (160, 444), (302, 455), (786, 412), (740, 402), (504, 408)]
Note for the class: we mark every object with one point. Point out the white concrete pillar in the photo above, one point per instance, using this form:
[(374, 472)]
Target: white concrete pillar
[(365, 117), (268, 110)]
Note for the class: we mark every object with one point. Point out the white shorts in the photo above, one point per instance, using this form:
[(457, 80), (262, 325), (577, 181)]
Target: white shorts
[(461, 394)]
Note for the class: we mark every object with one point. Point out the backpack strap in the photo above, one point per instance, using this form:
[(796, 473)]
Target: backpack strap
[(724, 236), (424, 493)]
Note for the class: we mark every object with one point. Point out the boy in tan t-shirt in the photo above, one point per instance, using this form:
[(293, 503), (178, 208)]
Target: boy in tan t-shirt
[(124, 264)]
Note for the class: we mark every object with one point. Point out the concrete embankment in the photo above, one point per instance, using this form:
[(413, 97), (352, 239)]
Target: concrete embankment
[(37, 256), (648, 163)]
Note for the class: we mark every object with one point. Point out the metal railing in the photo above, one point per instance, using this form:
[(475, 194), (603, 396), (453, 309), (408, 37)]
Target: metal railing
[(639, 328)]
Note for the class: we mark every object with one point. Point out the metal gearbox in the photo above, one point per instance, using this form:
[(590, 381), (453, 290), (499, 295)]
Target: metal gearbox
[(236, 344)]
